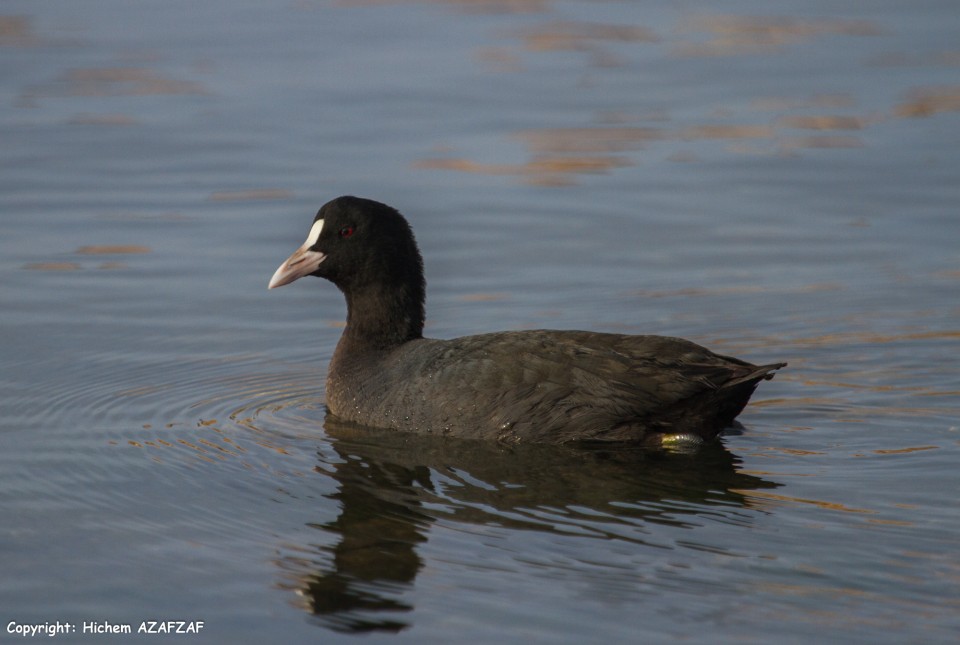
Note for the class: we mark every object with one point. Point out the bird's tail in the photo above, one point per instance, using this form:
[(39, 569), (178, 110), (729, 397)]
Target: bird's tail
[(757, 374)]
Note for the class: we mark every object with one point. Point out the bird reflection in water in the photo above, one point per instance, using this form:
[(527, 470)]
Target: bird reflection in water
[(390, 485)]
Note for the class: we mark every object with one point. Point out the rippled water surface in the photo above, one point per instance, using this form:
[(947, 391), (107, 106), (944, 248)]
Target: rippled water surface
[(779, 181)]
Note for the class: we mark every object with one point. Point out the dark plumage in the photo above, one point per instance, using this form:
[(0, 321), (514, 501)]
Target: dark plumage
[(539, 386)]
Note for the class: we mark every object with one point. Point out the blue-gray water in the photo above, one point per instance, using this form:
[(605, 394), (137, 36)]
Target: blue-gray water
[(779, 181)]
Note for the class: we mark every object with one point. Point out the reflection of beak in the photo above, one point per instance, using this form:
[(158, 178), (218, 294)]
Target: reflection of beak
[(303, 262)]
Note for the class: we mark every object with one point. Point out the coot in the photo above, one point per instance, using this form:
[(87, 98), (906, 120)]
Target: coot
[(531, 386)]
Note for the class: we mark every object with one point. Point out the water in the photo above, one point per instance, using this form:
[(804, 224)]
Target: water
[(778, 181)]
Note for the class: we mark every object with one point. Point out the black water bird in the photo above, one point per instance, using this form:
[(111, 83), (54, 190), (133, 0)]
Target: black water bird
[(516, 386)]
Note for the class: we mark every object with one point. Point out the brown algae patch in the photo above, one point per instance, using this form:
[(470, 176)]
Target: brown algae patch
[(469, 6), (52, 266), (251, 195), (738, 35), (728, 132), (102, 119), (16, 31), (113, 249), (821, 141), (122, 81), (588, 139), (817, 101), (582, 36), (929, 101), (558, 154), (541, 170), (823, 122)]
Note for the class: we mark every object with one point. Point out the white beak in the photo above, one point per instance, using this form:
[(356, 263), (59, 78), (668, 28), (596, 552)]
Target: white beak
[(304, 260)]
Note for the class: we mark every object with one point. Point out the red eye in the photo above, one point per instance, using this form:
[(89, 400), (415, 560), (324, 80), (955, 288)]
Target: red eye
[(346, 231)]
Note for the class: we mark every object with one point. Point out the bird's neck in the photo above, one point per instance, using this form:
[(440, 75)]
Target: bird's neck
[(383, 316)]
